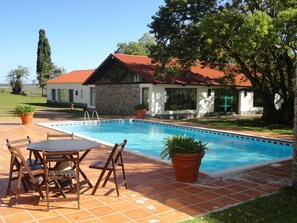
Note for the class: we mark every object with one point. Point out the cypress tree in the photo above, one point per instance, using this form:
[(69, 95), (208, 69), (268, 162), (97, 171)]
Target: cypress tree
[(44, 63)]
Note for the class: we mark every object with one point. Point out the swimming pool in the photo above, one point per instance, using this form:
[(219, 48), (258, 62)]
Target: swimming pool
[(227, 151)]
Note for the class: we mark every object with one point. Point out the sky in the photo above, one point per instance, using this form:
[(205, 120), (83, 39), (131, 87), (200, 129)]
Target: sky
[(81, 33)]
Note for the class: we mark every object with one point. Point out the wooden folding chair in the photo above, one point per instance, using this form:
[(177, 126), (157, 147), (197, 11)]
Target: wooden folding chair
[(110, 166), (15, 165), (57, 174), (59, 135), (25, 173)]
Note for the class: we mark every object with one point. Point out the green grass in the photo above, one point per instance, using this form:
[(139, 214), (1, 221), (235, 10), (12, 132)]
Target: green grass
[(279, 207), (9, 102), (250, 124)]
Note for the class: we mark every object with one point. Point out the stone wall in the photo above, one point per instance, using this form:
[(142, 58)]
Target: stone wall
[(117, 99)]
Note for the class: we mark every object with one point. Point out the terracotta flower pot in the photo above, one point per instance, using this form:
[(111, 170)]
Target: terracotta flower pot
[(27, 118), (186, 166), (140, 114)]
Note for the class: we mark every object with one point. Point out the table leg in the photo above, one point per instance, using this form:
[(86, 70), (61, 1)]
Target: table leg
[(86, 180)]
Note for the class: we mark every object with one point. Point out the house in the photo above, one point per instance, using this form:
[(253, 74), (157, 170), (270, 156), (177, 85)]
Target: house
[(68, 88), (122, 81)]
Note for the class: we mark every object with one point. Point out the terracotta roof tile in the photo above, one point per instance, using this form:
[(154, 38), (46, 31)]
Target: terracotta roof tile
[(76, 76), (142, 65)]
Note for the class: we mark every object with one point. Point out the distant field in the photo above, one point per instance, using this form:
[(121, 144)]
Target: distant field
[(29, 89)]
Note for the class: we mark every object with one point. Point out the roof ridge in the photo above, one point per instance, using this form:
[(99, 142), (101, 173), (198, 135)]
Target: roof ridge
[(130, 55)]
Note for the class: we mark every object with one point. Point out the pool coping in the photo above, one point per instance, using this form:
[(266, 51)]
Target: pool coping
[(203, 129)]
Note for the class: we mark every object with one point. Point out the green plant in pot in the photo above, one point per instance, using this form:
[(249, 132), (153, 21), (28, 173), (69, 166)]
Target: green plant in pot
[(186, 154), (140, 110), (26, 112)]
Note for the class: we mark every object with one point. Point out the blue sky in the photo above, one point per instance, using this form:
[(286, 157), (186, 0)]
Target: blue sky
[(81, 33)]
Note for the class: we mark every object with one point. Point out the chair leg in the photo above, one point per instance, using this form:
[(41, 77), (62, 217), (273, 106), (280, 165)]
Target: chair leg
[(47, 194), (98, 182), (106, 178), (116, 182), (124, 175), (17, 191)]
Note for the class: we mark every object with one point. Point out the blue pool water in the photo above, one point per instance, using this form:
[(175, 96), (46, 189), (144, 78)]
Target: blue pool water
[(225, 151)]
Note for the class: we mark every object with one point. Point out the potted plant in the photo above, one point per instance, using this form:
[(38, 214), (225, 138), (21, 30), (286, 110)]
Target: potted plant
[(140, 111), (26, 112), (71, 106), (186, 154)]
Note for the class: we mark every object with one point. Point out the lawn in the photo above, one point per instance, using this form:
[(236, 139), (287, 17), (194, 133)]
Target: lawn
[(279, 207), (253, 124), (9, 102)]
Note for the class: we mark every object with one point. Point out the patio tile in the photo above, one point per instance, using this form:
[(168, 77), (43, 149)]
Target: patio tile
[(124, 206), (157, 208), (209, 205), (137, 213), (78, 216), (192, 199), (192, 210), (174, 216), (207, 195), (91, 203), (224, 201), (15, 218), (240, 197), (116, 218), (152, 219), (56, 219), (101, 211)]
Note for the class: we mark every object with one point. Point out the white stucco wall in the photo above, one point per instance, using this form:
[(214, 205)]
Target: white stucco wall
[(83, 92), (245, 103), (158, 98), (205, 103)]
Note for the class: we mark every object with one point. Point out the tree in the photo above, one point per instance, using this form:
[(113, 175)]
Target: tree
[(44, 63), (56, 71), (136, 48), (258, 38), (15, 79), (294, 160)]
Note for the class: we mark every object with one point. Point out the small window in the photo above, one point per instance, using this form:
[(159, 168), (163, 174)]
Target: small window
[(145, 97), (93, 94), (62, 95), (209, 92), (53, 94), (180, 99), (76, 92), (257, 100)]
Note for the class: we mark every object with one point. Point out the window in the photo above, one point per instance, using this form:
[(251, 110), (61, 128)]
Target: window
[(180, 99), (70, 95), (208, 92), (76, 92), (62, 95), (145, 96), (257, 101), (53, 94), (93, 94)]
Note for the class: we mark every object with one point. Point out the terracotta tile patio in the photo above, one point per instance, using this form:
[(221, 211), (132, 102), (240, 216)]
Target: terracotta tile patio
[(153, 195)]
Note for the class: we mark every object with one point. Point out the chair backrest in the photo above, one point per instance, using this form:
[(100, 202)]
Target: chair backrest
[(18, 143), (67, 164), (18, 159), (60, 135), (115, 156)]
